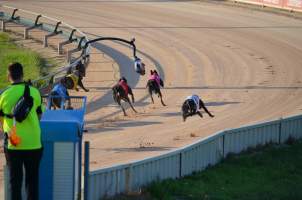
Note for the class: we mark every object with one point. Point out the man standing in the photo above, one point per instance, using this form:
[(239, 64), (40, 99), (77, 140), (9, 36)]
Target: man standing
[(27, 152)]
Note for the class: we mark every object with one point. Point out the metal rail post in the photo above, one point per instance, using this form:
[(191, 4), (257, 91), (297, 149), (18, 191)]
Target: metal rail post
[(86, 170), (12, 18), (54, 33), (36, 25), (69, 53), (70, 40)]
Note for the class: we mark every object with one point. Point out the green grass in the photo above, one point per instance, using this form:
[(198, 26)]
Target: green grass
[(34, 65), (270, 173)]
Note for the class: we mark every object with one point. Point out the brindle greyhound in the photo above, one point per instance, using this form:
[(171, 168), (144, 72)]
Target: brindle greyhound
[(119, 94)]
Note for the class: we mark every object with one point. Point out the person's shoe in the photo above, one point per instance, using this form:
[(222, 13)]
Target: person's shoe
[(86, 90)]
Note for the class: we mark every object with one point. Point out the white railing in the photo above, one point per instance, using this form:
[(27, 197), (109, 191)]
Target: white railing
[(208, 151)]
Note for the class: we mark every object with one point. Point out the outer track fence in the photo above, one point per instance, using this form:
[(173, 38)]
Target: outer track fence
[(131, 177), (52, 27)]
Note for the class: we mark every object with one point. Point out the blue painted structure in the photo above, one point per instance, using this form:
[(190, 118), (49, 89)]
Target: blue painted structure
[(60, 169)]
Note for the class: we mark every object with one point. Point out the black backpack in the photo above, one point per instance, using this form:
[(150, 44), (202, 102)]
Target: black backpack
[(22, 107)]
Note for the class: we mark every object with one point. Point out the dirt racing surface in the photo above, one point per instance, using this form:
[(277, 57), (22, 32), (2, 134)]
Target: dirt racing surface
[(245, 64)]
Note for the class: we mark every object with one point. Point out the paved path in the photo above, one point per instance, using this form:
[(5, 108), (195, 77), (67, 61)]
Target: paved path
[(245, 64)]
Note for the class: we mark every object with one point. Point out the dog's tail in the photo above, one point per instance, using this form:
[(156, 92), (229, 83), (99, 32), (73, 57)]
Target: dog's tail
[(150, 86), (115, 94)]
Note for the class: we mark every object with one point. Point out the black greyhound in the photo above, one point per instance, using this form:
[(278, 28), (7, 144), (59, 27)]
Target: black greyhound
[(119, 94), (154, 87), (189, 109), (74, 78)]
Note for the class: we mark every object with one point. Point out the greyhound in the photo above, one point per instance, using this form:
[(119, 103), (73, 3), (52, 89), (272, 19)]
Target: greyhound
[(120, 91), (154, 84), (191, 107)]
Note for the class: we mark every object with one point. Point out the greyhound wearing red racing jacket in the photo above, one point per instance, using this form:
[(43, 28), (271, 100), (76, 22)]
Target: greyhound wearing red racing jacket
[(120, 92)]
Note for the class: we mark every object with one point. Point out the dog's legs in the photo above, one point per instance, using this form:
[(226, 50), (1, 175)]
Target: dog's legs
[(149, 85), (80, 83), (115, 94), (199, 113), (128, 100), (119, 103), (132, 106), (185, 116), (161, 99), (118, 96), (152, 98), (204, 107)]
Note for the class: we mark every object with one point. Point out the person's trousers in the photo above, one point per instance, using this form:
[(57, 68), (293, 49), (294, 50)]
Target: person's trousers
[(30, 160)]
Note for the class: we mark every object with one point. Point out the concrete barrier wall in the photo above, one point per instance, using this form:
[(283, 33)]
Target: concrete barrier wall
[(292, 5), (206, 152)]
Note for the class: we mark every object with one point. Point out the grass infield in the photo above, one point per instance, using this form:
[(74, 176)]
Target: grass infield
[(34, 65), (273, 172)]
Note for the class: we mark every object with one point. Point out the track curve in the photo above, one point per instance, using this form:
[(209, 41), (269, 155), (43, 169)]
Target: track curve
[(246, 65)]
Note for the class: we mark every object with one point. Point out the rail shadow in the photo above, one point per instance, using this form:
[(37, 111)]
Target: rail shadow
[(129, 73), (249, 87), (140, 149), (192, 27), (120, 125), (118, 1), (122, 60)]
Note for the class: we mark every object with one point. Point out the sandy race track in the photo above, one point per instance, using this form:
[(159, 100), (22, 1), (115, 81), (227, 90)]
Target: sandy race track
[(246, 65)]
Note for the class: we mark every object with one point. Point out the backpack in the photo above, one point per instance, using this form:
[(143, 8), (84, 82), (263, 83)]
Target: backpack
[(22, 107)]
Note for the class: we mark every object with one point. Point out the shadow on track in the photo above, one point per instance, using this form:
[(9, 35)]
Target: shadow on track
[(126, 69), (251, 87)]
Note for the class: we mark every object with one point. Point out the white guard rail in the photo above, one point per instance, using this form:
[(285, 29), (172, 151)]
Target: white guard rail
[(48, 24), (209, 151)]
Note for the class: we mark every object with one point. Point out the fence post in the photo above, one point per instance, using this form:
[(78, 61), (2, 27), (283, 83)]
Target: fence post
[(223, 138), (180, 164), (280, 129), (3, 26), (225, 152), (86, 170)]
